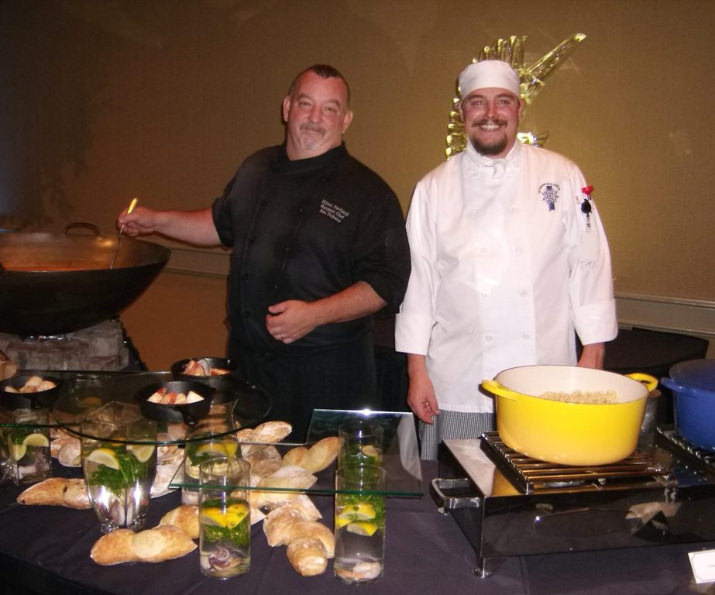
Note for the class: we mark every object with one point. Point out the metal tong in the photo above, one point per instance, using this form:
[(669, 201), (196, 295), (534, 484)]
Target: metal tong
[(132, 204)]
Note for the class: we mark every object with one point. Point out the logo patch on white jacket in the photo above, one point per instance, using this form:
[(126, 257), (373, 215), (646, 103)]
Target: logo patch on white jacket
[(549, 194)]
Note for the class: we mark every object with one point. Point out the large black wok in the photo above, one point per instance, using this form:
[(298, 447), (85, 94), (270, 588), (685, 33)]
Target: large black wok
[(52, 284)]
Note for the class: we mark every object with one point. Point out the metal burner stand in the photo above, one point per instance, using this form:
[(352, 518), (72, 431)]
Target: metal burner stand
[(509, 505)]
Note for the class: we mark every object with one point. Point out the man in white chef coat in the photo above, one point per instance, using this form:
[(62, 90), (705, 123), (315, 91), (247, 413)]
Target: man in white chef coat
[(509, 263)]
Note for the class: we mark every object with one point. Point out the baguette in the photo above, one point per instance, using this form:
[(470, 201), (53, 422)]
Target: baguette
[(57, 491), (164, 542), (307, 556), (295, 455), (291, 478), (185, 517)]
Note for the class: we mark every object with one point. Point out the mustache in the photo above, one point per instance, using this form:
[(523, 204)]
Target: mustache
[(477, 123), (312, 127)]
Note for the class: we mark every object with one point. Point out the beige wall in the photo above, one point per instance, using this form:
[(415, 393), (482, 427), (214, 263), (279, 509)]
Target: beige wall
[(161, 99)]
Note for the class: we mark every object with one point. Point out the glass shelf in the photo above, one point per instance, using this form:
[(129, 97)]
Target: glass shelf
[(399, 457), (240, 405)]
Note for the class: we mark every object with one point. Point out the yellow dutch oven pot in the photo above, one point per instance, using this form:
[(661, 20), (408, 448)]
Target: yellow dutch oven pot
[(564, 432)]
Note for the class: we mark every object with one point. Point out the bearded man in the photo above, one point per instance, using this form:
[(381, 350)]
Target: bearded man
[(509, 263)]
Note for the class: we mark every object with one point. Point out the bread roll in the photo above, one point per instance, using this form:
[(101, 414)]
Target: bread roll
[(268, 432), (70, 453), (57, 491), (307, 555), (185, 517), (8, 368), (315, 530), (264, 461), (152, 545), (321, 455), (277, 525), (271, 432)]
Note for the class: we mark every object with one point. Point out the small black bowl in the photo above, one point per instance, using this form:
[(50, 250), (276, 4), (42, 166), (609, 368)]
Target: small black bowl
[(226, 385), (188, 413), (44, 399)]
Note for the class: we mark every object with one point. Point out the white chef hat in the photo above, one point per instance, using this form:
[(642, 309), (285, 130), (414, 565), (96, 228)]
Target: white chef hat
[(488, 73)]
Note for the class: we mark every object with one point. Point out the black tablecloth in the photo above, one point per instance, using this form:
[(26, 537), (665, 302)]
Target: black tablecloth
[(46, 549)]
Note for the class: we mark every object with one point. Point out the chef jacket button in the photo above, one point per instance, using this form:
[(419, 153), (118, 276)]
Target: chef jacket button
[(251, 239), (488, 338), (286, 249), (483, 250), (526, 336), (323, 180), (276, 286), (518, 251), (245, 276), (523, 293), (246, 313), (301, 210)]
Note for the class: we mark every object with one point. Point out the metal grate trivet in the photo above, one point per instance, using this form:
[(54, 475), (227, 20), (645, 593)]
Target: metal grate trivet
[(530, 475)]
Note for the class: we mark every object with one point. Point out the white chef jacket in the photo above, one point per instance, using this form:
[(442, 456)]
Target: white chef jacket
[(506, 266)]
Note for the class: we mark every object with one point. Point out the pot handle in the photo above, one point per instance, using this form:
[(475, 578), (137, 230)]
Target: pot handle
[(494, 387), (445, 502), (83, 225), (650, 382)]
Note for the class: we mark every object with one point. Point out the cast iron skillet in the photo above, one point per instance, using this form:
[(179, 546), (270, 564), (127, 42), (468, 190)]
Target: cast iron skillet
[(189, 413)]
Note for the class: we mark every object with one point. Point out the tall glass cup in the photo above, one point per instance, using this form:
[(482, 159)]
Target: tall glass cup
[(119, 463), (24, 445), (359, 523), (206, 440), (224, 517), (361, 443)]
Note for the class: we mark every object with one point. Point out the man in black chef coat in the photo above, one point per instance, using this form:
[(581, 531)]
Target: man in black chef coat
[(318, 245)]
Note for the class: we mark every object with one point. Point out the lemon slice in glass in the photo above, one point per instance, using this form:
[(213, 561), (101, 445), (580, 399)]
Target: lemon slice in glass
[(370, 451), (235, 513), (104, 456), (362, 528), (343, 519), (192, 471), (36, 439), (142, 452), (212, 517), (17, 451), (213, 449), (230, 446), (364, 511)]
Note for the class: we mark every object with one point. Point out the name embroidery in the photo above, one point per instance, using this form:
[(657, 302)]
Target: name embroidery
[(549, 194), (333, 211)]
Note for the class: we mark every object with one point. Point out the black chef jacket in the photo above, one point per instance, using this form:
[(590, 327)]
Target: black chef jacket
[(303, 230)]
